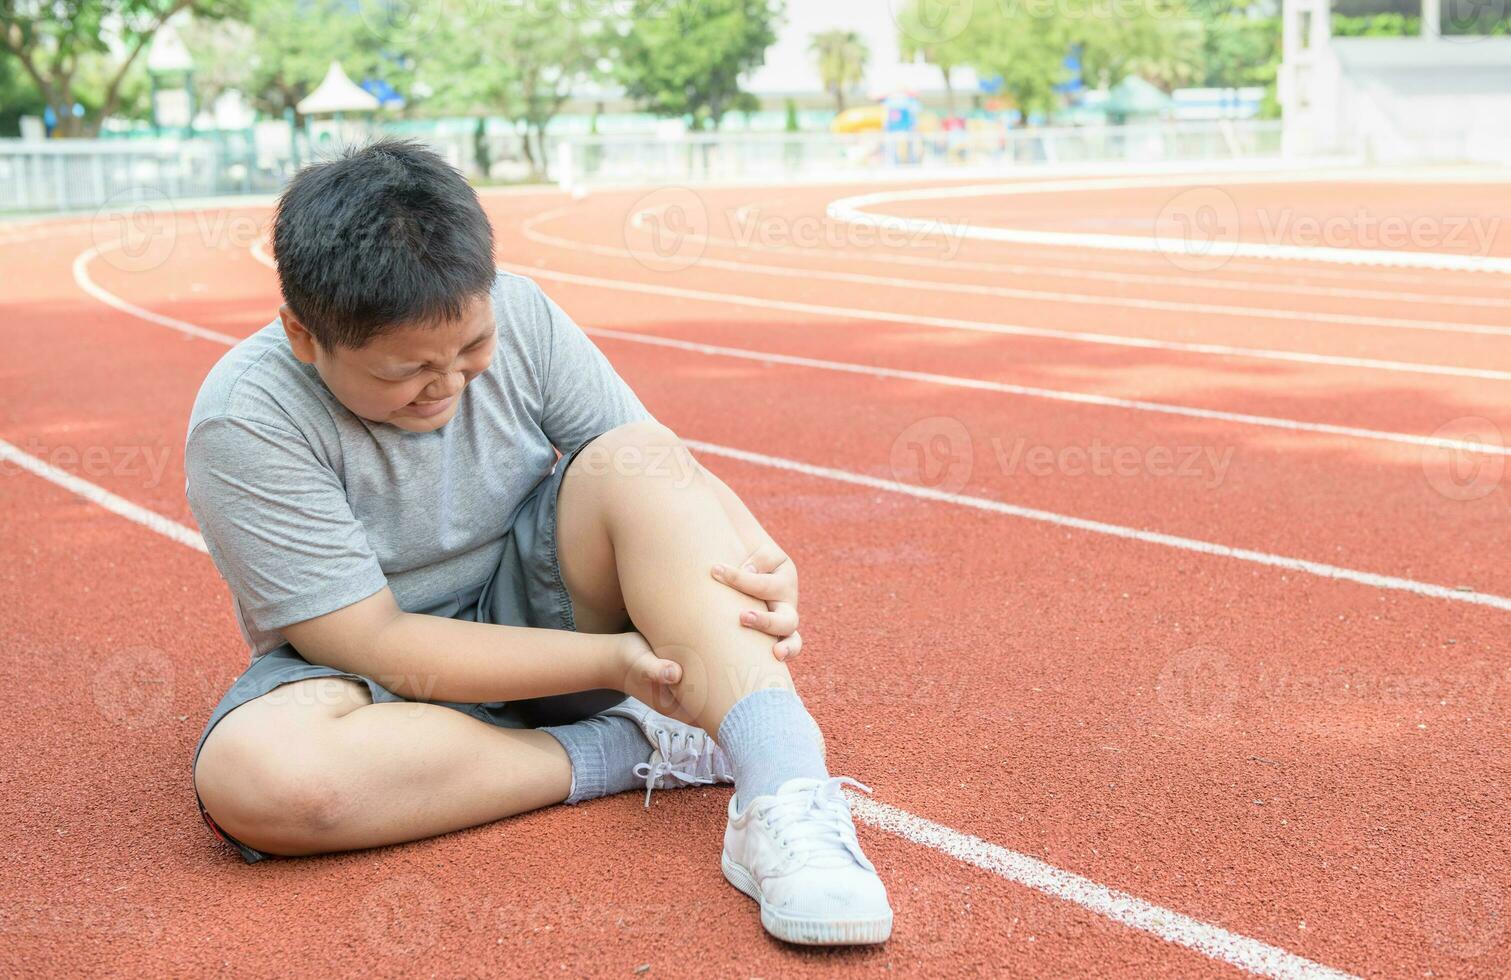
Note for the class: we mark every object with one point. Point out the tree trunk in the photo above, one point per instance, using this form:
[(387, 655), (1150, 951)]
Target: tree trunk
[(949, 91), (839, 98)]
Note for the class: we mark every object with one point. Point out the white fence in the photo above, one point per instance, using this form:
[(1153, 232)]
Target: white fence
[(73, 175), (703, 157)]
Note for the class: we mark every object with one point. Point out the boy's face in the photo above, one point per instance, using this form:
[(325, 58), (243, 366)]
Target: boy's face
[(411, 377)]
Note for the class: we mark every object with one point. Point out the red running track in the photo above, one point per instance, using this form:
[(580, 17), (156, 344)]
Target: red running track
[(1312, 764)]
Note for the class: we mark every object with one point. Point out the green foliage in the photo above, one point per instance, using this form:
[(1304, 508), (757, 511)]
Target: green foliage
[(685, 57), (61, 45), (294, 43), (1377, 25), (842, 57), (518, 60)]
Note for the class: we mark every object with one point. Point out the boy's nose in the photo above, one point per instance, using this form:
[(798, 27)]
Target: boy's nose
[(445, 386)]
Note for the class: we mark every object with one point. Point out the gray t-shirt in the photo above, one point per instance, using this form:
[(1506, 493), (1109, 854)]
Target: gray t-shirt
[(307, 508)]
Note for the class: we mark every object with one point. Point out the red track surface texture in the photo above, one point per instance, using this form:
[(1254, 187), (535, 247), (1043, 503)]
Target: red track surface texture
[(1237, 646)]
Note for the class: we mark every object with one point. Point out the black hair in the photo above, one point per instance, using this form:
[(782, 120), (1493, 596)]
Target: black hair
[(386, 235)]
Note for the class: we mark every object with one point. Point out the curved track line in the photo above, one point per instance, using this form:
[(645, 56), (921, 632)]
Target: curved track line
[(530, 231), (1027, 391), (1103, 401), (851, 209), (1103, 275), (981, 326), (1209, 940), (1318, 569)]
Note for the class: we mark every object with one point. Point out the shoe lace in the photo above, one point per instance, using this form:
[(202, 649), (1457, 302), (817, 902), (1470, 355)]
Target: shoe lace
[(685, 755), (815, 824)]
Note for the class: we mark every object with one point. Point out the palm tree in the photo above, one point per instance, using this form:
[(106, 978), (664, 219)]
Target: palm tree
[(842, 57)]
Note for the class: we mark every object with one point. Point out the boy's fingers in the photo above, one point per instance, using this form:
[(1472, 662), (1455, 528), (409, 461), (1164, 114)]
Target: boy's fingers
[(766, 558), (654, 670), (780, 621), (754, 584), (789, 647)]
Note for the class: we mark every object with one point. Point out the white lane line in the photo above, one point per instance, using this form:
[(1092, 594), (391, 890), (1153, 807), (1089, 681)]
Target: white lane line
[(1103, 401), (1305, 566), (1202, 937), (1308, 567), (1209, 940), (1083, 273), (96, 494), (82, 278), (531, 232), (852, 209), (1076, 397), (981, 326)]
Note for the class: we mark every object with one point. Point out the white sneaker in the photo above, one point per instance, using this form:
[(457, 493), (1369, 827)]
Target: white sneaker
[(796, 854), (682, 755)]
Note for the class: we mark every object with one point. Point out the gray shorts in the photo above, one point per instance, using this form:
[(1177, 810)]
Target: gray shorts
[(525, 590)]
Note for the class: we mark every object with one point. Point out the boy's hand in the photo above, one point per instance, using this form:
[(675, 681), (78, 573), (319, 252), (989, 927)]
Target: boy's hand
[(639, 672), (770, 576)]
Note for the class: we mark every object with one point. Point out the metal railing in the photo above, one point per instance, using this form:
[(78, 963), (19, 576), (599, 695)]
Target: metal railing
[(705, 157), (75, 175)]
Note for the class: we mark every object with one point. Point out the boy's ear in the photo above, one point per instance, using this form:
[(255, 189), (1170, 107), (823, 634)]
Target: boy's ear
[(300, 339)]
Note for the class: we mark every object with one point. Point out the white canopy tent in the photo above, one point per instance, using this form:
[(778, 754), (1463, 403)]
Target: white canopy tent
[(334, 97)]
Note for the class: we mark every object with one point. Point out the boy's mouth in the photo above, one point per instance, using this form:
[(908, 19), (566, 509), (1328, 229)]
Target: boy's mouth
[(425, 410)]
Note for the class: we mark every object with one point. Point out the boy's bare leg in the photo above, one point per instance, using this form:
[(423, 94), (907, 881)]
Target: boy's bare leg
[(639, 528), (346, 773)]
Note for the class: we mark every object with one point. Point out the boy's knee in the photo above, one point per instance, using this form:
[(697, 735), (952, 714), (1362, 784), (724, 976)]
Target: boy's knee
[(268, 797), (638, 451)]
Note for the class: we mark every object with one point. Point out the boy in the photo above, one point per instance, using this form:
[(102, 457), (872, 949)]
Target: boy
[(444, 627)]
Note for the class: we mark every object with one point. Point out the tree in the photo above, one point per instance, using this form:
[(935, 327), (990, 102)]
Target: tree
[(685, 57), (295, 42), (842, 57), (519, 59), (52, 41), (919, 36)]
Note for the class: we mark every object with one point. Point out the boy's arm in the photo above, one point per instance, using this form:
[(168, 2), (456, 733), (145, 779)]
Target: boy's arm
[(432, 658)]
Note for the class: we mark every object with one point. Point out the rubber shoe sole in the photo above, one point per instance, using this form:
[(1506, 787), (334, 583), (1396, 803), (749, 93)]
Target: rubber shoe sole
[(804, 931)]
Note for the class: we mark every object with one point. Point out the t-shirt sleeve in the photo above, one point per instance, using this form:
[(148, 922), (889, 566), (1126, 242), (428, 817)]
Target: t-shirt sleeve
[(583, 397), (277, 523)]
